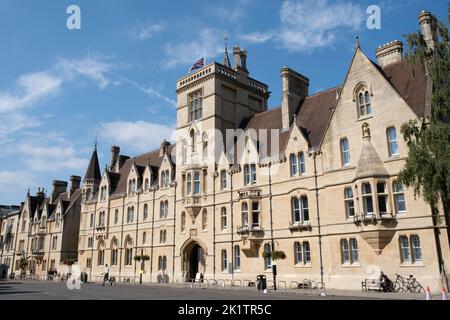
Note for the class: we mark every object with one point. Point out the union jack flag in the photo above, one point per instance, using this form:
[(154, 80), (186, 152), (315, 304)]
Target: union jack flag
[(198, 65)]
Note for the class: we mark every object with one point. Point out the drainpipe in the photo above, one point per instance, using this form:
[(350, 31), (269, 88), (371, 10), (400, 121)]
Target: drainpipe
[(137, 231), (214, 223), (153, 228), (93, 237), (272, 240), (121, 237), (232, 225), (174, 230), (315, 152)]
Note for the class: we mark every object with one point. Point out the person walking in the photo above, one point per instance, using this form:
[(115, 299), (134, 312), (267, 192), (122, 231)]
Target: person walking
[(105, 274)]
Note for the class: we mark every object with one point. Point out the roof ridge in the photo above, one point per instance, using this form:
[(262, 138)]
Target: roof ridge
[(324, 91)]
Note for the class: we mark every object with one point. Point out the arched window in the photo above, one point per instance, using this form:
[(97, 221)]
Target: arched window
[(129, 252), (300, 210), (160, 264), (364, 102), (192, 135), (224, 260), (237, 258), (392, 140), (345, 251), (114, 252), (294, 164), (145, 211), (416, 249), (223, 218), (195, 105), (146, 184), (161, 236), (345, 152)]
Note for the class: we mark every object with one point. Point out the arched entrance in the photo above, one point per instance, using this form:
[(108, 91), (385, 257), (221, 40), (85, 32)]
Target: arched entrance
[(193, 260)]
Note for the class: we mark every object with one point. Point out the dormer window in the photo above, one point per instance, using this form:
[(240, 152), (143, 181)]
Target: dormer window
[(195, 106), (364, 102), (250, 174), (165, 179)]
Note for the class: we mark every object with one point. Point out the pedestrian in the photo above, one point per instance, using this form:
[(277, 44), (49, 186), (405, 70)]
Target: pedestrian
[(105, 274), (385, 282)]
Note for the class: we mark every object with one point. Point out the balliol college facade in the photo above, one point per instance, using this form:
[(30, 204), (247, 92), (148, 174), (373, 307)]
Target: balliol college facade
[(315, 178)]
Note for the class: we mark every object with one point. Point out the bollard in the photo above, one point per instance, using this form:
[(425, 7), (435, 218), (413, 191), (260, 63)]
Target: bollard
[(428, 294)]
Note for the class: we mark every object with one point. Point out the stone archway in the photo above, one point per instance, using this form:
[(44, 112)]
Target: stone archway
[(193, 253)]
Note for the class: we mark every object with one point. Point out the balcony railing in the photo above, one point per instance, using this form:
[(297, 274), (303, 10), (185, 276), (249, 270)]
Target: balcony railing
[(246, 230), (300, 225), (251, 193)]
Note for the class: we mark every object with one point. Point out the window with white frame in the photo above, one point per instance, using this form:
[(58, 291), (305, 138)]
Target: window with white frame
[(364, 103), (256, 223), (349, 202), (416, 249), (392, 141), (250, 174), (302, 163), (300, 211), (188, 184), (399, 197), (345, 251), (405, 253), (244, 213), (302, 253), (196, 182), (382, 196), (224, 260), (195, 106), (145, 212), (367, 199), (237, 258), (294, 164), (128, 256), (345, 152), (354, 250), (223, 180), (223, 218)]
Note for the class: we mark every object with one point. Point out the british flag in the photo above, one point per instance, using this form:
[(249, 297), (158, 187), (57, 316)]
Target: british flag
[(198, 65)]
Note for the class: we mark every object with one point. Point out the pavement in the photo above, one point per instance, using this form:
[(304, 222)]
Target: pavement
[(46, 290)]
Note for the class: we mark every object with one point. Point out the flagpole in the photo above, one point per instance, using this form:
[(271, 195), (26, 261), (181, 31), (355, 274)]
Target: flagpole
[(204, 56)]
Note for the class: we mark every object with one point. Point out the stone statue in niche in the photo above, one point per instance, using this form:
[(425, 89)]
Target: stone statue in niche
[(366, 131)]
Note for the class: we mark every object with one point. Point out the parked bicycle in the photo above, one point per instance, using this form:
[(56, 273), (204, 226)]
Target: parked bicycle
[(410, 284)]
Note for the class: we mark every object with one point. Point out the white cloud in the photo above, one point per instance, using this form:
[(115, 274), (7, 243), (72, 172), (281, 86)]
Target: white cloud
[(207, 42), (311, 24), (14, 122), (12, 181), (90, 67), (144, 31), (257, 37), (30, 89), (140, 136)]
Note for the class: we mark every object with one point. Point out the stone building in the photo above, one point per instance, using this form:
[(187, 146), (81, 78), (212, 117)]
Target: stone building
[(324, 190), (45, 230)]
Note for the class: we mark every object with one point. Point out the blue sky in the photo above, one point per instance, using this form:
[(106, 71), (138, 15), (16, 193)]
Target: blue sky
[(115, 77)]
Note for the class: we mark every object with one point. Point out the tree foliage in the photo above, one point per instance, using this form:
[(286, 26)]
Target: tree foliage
[(428, 164)]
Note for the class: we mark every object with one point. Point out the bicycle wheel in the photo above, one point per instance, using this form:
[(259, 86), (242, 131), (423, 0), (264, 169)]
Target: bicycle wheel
[(417, 288), (398, 287)]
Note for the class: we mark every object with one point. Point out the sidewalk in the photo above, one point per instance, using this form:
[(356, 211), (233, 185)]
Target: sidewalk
[(328, 293)]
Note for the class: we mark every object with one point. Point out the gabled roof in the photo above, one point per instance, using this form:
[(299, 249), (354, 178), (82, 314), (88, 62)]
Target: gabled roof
[(409, 80), (93, 170), (151, 158), (369, 163), (315, 113)]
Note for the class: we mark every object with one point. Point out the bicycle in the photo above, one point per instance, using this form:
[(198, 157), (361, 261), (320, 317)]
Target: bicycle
[(410, 284)]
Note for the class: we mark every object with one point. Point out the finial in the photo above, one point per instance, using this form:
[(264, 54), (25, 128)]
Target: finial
[(226, 59), (357, 42), (95, 145)]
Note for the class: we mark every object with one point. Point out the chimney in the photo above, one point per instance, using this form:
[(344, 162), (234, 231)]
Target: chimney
[(244, 59), (428, 25), (58, 187), (389, 53), (40, 193), (74, 184), (115, 151), (236, 58), (164, 148), (295, 90)]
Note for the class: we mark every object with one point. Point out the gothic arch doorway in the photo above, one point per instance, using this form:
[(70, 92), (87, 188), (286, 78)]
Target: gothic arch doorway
[(193, 260)]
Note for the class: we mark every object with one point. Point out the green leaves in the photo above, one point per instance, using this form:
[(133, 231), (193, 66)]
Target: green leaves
[(428, 164)]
